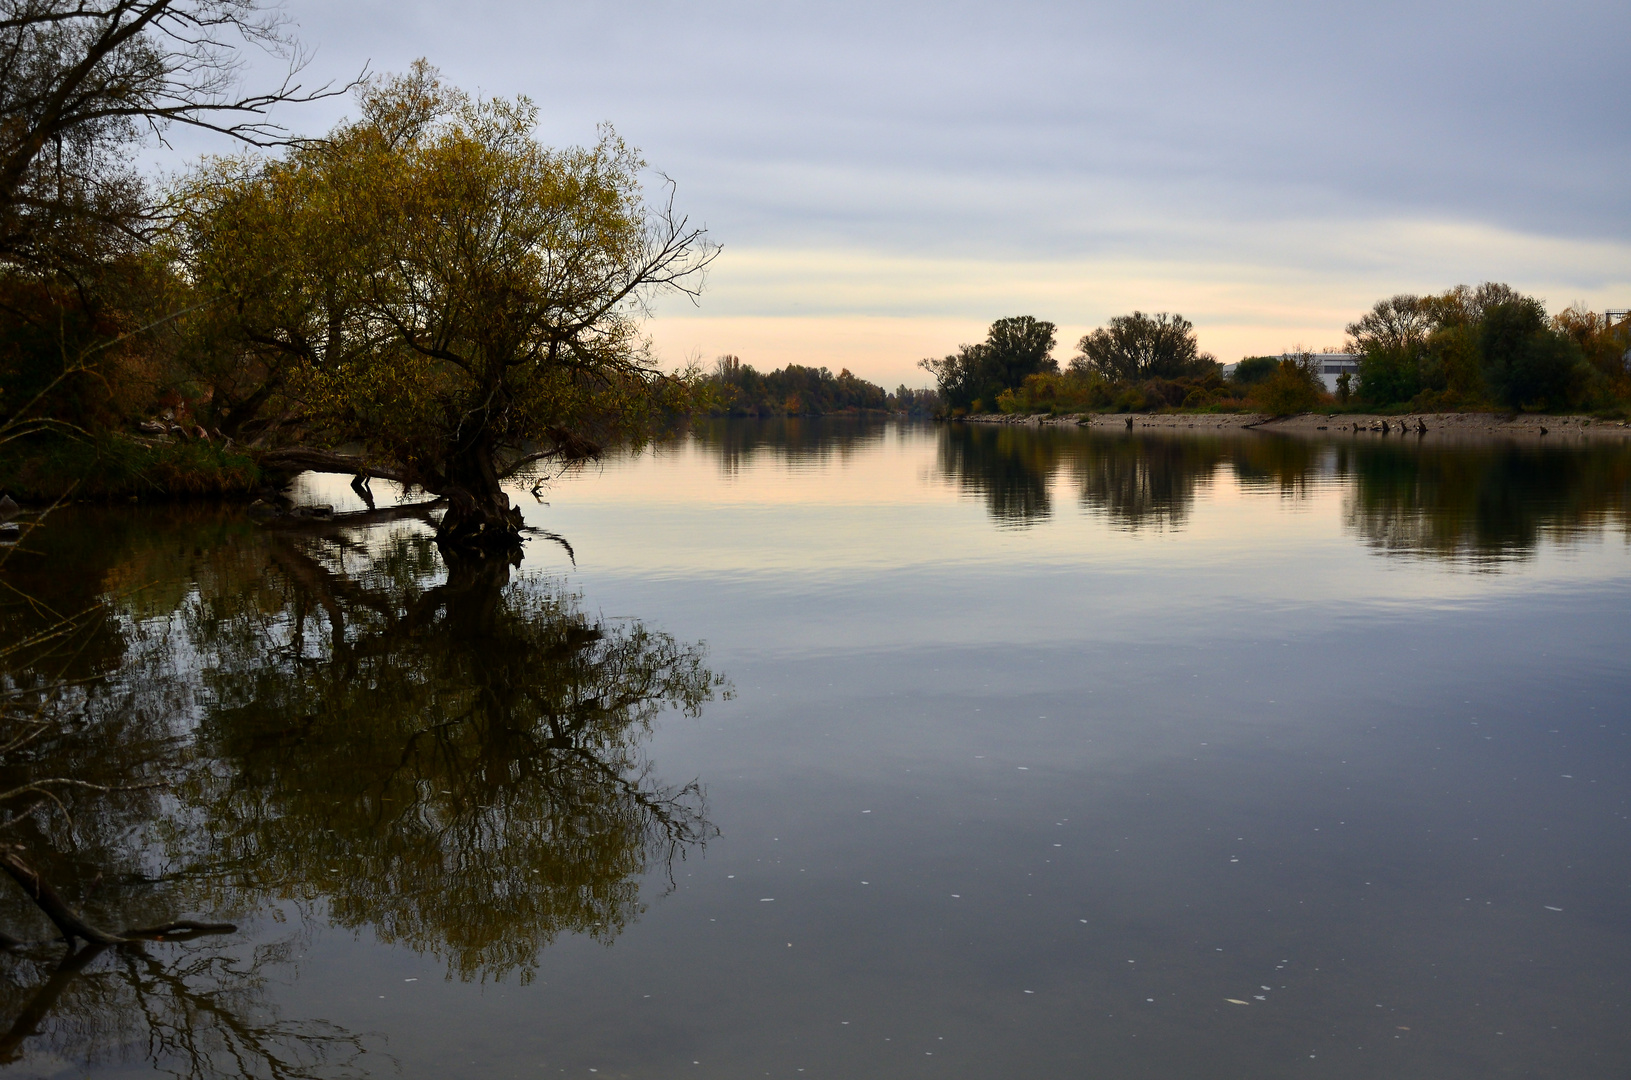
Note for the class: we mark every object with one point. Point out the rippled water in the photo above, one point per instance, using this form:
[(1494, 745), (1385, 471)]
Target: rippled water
[(861, 750)]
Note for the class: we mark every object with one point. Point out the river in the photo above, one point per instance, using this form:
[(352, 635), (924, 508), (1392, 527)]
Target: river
[(848, 749)]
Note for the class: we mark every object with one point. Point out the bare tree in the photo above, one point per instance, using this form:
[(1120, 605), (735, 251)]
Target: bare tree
[(81, 81)]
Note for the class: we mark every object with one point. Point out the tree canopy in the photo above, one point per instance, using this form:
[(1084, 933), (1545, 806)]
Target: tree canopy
[(82, 84), (81, 80), (1472, 345), (973, 376), (432, 282), (1139, 346)]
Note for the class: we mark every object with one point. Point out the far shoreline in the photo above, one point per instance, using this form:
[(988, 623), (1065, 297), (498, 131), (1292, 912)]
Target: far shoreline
[(1526, 426)]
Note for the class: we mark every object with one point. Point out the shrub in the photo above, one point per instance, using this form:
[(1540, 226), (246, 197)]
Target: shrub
[(1389, 373), (1295, 387), (1253, 370)]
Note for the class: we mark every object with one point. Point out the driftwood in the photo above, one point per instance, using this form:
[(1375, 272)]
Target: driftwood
[(296, 522), (73, 925)]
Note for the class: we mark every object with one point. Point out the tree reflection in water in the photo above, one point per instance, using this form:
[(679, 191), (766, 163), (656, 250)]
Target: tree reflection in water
[(1481, 503), (1487, 505), (804, 439), (186, 1012), (1139, 482), (458, 765), (452, 760), (1010, 468)]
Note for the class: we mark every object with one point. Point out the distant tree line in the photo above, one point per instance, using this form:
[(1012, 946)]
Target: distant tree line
[(1488, 345), (1468, 348), (1136, 362), (733, 388)]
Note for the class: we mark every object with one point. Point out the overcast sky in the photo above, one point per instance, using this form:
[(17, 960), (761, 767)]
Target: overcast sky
[(887, 178)]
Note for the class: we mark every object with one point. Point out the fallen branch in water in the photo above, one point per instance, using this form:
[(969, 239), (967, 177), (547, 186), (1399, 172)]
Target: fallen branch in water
[(418, 510), (73, 925)]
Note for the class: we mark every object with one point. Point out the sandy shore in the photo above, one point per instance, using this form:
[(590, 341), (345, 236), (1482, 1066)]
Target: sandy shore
[(1470, 425)]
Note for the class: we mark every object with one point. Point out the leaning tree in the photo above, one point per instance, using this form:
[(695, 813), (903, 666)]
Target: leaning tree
[(446, 291)]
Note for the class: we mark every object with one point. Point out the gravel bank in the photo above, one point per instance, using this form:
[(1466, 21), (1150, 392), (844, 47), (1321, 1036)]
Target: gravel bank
[(1443, 425)]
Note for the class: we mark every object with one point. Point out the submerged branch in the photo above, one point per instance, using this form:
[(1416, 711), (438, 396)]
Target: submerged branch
[(73, 925)]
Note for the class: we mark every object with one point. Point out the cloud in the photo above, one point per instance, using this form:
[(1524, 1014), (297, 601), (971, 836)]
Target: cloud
[(1265, 167), (1249, 289)]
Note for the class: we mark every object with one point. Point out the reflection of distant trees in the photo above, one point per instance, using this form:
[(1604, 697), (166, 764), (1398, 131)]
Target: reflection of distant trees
[(1453, 500), (737, 442), (1136, 480), (1141, 481), (1482, 503), (1268, 463), (1010, 468)]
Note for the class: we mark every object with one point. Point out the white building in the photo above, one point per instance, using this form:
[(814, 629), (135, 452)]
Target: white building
[(1331, 366)]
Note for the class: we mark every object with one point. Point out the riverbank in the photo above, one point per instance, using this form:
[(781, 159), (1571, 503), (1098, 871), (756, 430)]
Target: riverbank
[(1470, 425), (49, 467)]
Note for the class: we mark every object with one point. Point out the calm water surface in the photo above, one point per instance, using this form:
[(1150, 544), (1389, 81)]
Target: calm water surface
[(848, 750)]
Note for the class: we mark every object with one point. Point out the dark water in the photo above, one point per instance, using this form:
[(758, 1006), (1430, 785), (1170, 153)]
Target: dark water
[(851, 751)]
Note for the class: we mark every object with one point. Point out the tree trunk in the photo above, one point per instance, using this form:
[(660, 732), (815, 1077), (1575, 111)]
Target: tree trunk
[(479, 517)]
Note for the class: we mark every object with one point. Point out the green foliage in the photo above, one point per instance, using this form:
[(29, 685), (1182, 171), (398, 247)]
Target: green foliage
[(1055, 392), (914, 401), (1482, 346), (1017, 347), (1391, 339), (1077, 391), (1254, 369), (90, 314), (1527, 363), (1390, 373), (1294, 387), (1139, 346), (1606, 348), (973, 378), (447, 290)]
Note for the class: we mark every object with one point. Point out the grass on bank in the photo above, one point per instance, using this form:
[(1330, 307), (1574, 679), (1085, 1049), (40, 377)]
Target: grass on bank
[(51, 466)]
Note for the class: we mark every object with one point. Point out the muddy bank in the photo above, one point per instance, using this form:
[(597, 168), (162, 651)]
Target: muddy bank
[(1471, 425)]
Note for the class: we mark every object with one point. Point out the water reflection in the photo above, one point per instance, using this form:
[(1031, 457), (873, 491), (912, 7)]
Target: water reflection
[(185, 1012), (1010, 469), (1479, 503), (235, 717), (1484, 506), (1143, 483), (805, 440), (455, 762)]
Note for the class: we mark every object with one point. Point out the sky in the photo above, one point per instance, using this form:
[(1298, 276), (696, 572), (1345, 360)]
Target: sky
[(885, 179)]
